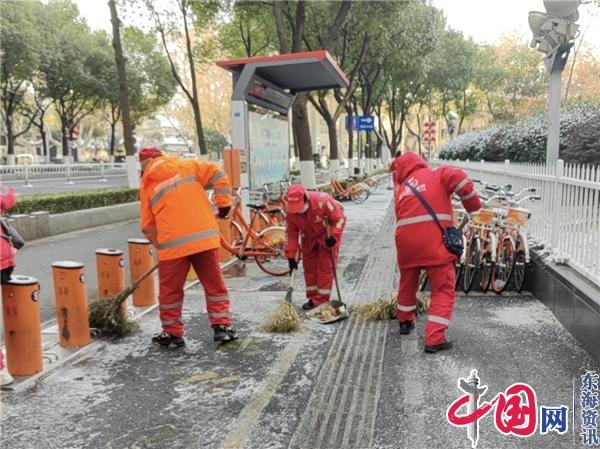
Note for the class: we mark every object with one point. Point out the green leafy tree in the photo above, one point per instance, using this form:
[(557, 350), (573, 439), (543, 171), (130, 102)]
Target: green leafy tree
[(71, 65), (215, 141), (453, 71), (20, 44), (149, 80)]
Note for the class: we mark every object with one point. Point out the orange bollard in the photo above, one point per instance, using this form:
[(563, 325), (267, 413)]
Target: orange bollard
[(71, 303), (225, 230), (22, 328), (141, 259), (110, 273)]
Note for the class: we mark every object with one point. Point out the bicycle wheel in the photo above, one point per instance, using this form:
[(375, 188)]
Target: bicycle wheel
[(272, 239), (423, 279), (236, 234), (359, 195), (472, 263), (519, 270), (486, 268), (373, 185), (504, 264), (458, 272)]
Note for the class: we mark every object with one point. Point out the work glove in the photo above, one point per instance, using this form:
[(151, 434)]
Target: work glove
[(224, 211), (330, 241), (293, 263)]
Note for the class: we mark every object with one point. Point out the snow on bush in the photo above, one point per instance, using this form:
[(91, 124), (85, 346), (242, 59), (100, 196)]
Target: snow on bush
[(525, 140)]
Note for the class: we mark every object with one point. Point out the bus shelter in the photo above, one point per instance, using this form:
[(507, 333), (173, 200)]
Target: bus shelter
[(264, 89)]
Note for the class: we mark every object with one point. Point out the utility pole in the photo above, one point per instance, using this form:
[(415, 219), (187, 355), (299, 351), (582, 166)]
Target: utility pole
[(553, 35), (130, 151)]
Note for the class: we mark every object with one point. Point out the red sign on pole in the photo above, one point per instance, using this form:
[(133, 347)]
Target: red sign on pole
[(429, 132)]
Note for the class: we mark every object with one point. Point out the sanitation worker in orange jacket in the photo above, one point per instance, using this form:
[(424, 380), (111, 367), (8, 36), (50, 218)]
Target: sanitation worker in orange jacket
[(310, 216), (177, 218), (419, 242)]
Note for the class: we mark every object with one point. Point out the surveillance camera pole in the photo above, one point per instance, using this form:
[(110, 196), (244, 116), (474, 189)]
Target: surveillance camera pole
[(555, 63)]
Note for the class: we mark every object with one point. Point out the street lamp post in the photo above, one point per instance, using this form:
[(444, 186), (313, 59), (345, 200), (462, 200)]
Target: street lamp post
[(553, 33)]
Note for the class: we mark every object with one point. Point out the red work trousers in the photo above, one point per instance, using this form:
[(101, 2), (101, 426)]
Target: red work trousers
[(172, 275), (441, 282), (318, 272)]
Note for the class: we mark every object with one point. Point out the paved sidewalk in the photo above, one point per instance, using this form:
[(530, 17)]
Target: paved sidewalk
[(348, 385)]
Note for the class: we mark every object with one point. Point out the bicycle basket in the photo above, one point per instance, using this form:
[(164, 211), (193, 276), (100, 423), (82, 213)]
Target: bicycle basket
[(484, 217), (517, 217), (257, 196)]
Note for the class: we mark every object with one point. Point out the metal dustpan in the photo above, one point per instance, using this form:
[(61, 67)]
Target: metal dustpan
[(329, 312)]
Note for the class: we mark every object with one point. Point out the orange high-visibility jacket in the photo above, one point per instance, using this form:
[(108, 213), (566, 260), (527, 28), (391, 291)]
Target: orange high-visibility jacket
[(176, 214)]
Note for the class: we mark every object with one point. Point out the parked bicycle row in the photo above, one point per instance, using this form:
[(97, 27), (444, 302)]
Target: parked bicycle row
[(495, 245)]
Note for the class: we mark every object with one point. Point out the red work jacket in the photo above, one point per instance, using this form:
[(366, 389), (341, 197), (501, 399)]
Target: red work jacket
[(418, 239), (310, 228)]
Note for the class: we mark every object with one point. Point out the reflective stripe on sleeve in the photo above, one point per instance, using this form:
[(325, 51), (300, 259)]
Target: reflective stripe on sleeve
[(162, 192), (421, 219), (340, 223), (323, 291), (406, 308), (439, 320), (311, 288), (468, 195), (171, 306), (215, 178), (217, 298), (461, 184), (188, 239), (330, 206), (149, 231), (222, 191)]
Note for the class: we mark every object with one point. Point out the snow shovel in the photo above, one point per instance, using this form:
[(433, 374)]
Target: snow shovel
[(330, 311)]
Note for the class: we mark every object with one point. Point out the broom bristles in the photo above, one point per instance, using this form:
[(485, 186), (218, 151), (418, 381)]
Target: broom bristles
[(384, 308), (283, 319), (106, 315)]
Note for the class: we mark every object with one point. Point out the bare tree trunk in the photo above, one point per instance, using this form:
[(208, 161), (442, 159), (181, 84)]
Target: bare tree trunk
[(10, 140), (302, 127), (113, 127), (123, 88), (333, 142), (196, 101)]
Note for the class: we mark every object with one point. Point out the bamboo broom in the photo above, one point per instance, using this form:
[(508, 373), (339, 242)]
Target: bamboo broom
[(105, 314), (284, 318)]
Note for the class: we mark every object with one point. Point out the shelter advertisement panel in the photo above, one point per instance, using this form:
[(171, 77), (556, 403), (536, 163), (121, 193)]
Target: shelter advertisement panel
[(269, 146)]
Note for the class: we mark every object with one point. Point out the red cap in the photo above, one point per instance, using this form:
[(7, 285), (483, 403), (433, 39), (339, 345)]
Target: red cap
[(146, 154), (295, 198)]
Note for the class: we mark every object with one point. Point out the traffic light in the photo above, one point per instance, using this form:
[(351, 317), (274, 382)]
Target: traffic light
[(556, 26)]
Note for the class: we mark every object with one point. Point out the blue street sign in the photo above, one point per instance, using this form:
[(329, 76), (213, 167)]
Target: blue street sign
[(364, 123)]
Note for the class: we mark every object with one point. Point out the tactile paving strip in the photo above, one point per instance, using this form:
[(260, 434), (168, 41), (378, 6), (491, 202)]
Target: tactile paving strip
[(342, 408)]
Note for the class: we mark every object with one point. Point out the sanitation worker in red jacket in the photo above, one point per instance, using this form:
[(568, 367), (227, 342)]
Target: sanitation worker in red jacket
[(310, 215), (176, 216), (419, 242)]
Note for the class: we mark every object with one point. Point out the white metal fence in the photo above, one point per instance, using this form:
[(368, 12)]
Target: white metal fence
[(567, 219), (28, 172)]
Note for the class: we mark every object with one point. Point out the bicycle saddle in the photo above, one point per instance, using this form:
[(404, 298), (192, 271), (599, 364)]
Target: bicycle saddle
[(257, 206), (273, 211)]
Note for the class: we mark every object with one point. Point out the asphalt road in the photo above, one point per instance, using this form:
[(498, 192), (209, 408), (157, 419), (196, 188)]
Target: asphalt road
[(58, 185), (35, 259)]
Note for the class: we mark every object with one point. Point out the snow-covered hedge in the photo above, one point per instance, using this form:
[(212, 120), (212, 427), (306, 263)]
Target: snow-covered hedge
[(525, 140)]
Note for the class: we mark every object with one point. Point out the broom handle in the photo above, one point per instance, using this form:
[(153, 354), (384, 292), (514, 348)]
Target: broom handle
[(139, 280), (330, 251)]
